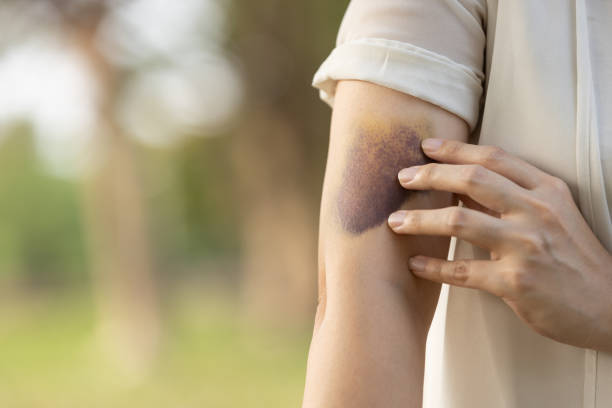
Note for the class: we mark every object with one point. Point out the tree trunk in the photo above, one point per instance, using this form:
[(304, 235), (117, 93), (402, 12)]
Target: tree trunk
[(279, 226), (116, 224)]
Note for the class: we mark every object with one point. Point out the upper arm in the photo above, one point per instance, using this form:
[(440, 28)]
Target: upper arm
[(376, 132), (387, 51)]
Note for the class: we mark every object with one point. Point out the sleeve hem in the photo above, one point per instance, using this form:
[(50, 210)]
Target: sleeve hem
[(406, 68)]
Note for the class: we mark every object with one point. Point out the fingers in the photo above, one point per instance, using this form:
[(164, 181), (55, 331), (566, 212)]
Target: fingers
[(474, 226), (470, 203), (477, 274), (488, 188), (491, 157)]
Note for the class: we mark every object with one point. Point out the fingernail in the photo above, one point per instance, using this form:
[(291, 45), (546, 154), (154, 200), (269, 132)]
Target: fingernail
[(406, 175), (396, 219), (432, 144), (417, 263)]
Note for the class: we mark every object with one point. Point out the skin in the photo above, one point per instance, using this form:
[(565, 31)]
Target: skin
[(368, 344), (369, 190), (546, 263)]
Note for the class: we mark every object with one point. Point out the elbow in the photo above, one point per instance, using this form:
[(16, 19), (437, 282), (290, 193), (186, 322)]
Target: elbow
[(321, 300)]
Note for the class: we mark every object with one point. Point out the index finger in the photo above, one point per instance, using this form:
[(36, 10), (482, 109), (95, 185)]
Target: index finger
[(491, 157)]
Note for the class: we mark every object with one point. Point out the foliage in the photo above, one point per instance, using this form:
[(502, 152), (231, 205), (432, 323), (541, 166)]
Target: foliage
[(211, 359), (41, 239)]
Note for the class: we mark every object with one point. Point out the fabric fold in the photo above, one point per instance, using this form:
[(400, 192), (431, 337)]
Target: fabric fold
[(406, 68)]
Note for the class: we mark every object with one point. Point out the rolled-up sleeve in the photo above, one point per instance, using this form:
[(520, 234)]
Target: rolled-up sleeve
[(430, 49)]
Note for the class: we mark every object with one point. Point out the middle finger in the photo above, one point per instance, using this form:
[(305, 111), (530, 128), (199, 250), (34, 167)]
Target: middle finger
[(484, 186), (474, 226)]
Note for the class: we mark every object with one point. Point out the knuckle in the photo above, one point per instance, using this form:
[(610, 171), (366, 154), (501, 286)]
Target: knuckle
[(540, 205), (519, 280), (493, 155), (413, 219), (559, 185), (544, 210), (550, 217), (427, 171), (533, 243), (536, 203), (450, 148), (474, 174), (456, 219), (456, 272)]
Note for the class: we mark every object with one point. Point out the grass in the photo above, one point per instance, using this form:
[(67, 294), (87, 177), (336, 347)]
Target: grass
[(211, 358)]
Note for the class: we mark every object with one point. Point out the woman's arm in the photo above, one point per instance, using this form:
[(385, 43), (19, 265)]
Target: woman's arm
[(368, 345)]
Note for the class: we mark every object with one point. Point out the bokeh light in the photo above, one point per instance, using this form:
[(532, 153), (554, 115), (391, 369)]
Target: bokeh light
[(160, 173)]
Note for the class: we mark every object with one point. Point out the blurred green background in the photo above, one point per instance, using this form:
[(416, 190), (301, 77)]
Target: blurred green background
[(160, 173)]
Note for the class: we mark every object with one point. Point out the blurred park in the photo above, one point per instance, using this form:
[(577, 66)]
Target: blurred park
[(160, 173)]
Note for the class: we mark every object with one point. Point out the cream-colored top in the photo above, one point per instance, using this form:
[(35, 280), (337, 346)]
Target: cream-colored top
[(535, 78)]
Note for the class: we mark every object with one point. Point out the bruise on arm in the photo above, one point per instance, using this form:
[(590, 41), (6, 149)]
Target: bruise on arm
[(369, 190)]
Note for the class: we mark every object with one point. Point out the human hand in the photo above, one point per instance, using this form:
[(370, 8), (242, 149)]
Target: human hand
[(546, 263)]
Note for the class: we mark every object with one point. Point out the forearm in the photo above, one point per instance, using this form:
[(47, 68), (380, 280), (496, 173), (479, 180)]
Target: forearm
[(355, 358), (373, 317), (369, 344)]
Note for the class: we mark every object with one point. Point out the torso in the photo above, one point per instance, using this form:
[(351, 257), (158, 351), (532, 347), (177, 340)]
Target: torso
[(536, 107)]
